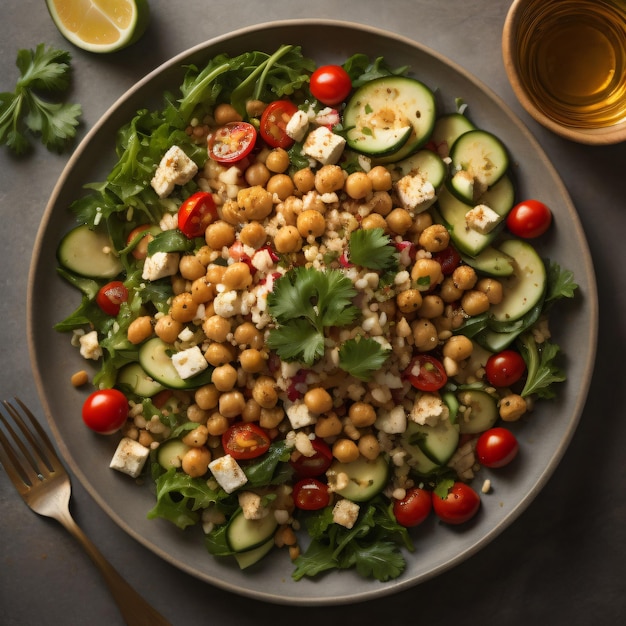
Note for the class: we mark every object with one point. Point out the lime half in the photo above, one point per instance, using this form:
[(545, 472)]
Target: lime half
[(100, 25)]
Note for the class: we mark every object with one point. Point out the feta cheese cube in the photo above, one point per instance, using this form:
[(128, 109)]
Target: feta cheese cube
[(428, 409), (415, 192), (299, 415), (392, 421), (89, 346), (324, 146), (189, 362), (175, 168), (482, 219), (228, 473), (297, 126), (160, 265), (251, 506), (130, 457), (345, 513)]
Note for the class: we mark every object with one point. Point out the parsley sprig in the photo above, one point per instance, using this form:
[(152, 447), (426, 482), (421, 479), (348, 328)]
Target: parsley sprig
[(45, 73), (372, 248)]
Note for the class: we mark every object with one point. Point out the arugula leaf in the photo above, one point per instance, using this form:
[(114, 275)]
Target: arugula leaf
[(362, 356), (361, 69), (268, 471), (542, 370), (25, 112), (372, 248)]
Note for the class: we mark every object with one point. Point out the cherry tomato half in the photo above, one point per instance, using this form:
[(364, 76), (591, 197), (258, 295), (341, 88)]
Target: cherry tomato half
[(504, 368), (245, 441), (196, 213), (105, 411), (310, 494), (274, 120), (414, 508), (111, 296), (330, 84), (459, 506), (232, 142), (529, 219), (426, 373), (496, 447), (316, 465)]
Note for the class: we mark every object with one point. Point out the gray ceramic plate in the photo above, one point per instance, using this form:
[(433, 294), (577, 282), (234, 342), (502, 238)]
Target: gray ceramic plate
[(544, 436)]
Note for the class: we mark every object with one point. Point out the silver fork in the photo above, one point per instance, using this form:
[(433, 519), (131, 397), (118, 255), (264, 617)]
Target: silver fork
[(40, 478)]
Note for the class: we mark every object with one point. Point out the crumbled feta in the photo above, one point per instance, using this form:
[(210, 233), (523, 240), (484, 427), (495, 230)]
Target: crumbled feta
[(324, 146), (415, 192), (482, 219), (189, 362), (175, 168), (160, 265), (228, 304), (130, 457), (228, 473), (391, 421), (297, 126), (428, 409), (299, 414), (89, 346), (345, 513), (186, 334), (251, 505)]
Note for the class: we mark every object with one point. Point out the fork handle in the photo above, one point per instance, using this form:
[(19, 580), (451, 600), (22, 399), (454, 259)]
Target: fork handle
[(134, 609)]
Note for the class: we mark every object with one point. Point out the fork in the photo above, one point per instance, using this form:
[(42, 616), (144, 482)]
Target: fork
[(40, 478)]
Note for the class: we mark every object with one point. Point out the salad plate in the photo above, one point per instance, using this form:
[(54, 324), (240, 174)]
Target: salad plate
[(544, 433)]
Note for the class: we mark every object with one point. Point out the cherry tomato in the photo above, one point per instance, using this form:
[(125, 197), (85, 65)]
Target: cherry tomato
[(330, 84), (414, 508), (105, 411), (529, 219), (309, 494), (196, 213), (111, 296), (496, 447), (459, 506), (274, 121), (232, 142), (245, 441), (316, 465), (504, 368), (140, 251), (449, 259), (426, 373)]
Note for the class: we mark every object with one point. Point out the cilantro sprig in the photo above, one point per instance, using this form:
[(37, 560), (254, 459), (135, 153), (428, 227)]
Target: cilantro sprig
[(373, 249), (29, 111)]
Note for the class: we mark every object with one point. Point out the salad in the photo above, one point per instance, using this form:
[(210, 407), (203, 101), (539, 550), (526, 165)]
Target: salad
[(314, 306)]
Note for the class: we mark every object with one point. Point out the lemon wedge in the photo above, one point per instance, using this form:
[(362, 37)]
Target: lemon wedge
[(100, 25)]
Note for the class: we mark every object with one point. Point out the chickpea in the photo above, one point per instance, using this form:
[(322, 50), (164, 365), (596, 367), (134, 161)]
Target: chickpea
[(425, 335), (329, 178), (251, 360), (254, 108), (247, 334), (255, 202), (214, 273), (253, 235), (281, 185), (426, 273), (168, 329), (179, 284), (288, 239), (362, 414), (318, 400), (231, 404), (217, 424), (358, 185), (311, 222), (304, 180), (183, 308), (196, 437), (380, 203), (225, 113), (196, 461), (380, 178), (224, 377), (421, 222), (369, 447), (373, 220), (449, 292), (237, 276), (409, 301), (434, 238), (492, 288), (458, 348), (257, 174), (474, 302), (264, 392), (345, 450), (204, 255), (252, 411), (190, 267), (512, 407), (219, 234), (271, 418), (464, 277), (399, 221), (140, 329), (202, 290), (219, 354), (216, 328), (277, 160), (328, 426), (197, 414), (432, 307)]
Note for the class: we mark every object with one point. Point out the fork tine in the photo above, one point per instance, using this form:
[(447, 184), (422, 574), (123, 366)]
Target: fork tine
[(10, 461)]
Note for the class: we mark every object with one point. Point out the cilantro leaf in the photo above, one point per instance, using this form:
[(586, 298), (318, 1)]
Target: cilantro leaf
[(372, 248), (560, 282), (362, 356), (542, 370), (381, 560), (297, 340)]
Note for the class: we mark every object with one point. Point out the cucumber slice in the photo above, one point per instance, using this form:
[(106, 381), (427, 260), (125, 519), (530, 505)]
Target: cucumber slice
[(89, 253), (491, 262), (427, 164), (483, 157), (244, 534), (482, 411), (366, 478), (417, 460), (250, 557), (155, 359), (170, 454), (523, 289), (448, 128), (134, 378), (392, 115), (437, 442)]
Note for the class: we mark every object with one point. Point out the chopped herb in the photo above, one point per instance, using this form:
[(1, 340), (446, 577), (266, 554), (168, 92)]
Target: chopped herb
[(373, 249)]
